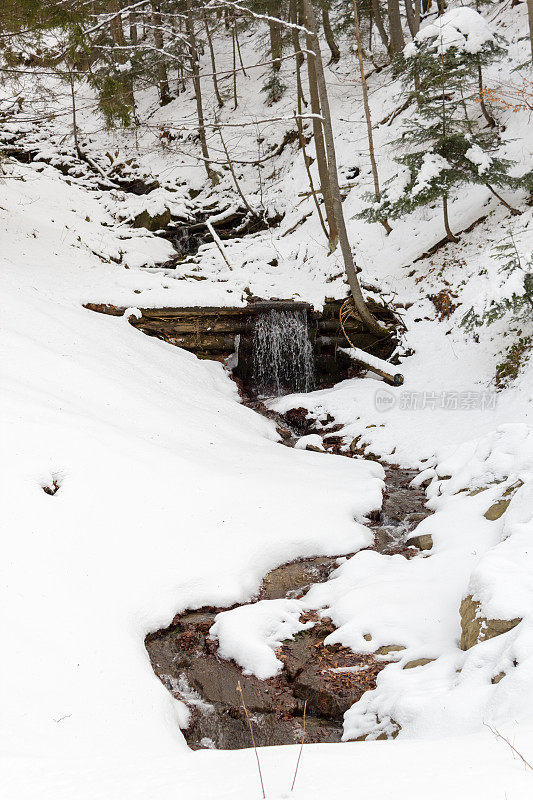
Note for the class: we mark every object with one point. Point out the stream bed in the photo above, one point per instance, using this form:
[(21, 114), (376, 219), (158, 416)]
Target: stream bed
[(325, 680)]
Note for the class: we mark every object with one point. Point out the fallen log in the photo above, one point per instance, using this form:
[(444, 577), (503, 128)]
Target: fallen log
[(374, 364)]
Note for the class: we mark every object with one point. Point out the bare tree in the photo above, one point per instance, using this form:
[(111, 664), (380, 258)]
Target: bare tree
[(213, 60), (162, 76), (368, 118), (365, 315), (193, 54), (318, 137)]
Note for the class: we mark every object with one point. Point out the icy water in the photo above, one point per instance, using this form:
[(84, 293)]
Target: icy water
[(283, 359)]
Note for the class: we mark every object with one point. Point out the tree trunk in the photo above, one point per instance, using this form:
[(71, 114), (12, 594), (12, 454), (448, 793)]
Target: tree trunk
[(134, 38), (234, 176), (397, 42), (162, 77), (380, 25), (299, 57), (117, 33), (234, 51), (293, 17), (418, 14), (320, 149), (213, 61), (490, 119), (330, 39), (410, 14), (514, 211), (366, 317), (275, 45), (451, 236), (530, 18), (368, 118), (74, 120), (193, 52)]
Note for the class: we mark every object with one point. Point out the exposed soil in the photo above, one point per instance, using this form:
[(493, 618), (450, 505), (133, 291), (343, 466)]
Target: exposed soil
[(328, 678)]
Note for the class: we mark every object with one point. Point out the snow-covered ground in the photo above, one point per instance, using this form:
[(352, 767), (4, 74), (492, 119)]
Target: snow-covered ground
[(173, 495)]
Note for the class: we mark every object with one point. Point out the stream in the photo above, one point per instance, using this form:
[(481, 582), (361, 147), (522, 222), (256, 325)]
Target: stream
[(324, 679)]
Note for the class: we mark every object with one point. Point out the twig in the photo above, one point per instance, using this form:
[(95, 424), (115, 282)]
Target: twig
[(300, 753), (499, 735), (239, 689)]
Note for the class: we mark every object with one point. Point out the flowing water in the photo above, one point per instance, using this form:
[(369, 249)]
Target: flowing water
[(283, 359)]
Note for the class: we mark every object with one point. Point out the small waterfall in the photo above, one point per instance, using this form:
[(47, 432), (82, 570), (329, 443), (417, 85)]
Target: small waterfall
[(283, 359)]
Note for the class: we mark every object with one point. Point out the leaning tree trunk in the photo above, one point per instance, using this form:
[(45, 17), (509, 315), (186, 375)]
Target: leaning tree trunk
[(397, 42), (328, 33), (193, 53), (365, 315), (368, 118), (162, 76), (318, 136)]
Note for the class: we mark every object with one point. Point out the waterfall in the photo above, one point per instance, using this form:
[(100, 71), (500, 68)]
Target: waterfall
[(283, 359)]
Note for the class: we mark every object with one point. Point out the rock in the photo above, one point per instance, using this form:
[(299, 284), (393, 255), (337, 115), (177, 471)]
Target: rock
[(292, 579), (497, 678), (152, 223), (423, 541), (367, 637), (418, 662), (389, 648), (476, 628), (497, 509), (217, 681)]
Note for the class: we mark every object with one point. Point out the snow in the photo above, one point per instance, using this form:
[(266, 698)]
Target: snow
[(461, 28), (251, 634), (432, 166), (173, 495), (479, 157)]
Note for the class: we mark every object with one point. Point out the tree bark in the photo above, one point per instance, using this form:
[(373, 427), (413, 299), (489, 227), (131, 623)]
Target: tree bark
[(275, 45), (349, 265), (368, 118), (410, 14), (330, 39), (397, 41), (162, 76), (193, 52), (318, 136), (451, 236)]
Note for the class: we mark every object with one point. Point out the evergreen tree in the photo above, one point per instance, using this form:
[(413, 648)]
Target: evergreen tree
[(445, 144), (515, 270)]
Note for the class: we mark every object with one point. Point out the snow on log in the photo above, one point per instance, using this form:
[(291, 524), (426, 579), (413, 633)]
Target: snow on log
[(374, 364)]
